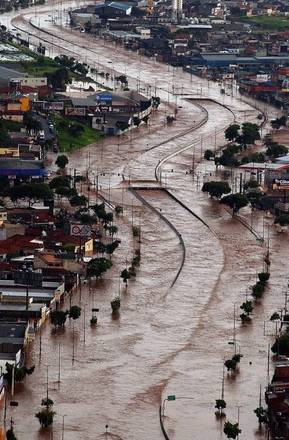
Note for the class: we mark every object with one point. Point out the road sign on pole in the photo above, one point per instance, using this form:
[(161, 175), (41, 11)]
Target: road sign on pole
[(172, 397)]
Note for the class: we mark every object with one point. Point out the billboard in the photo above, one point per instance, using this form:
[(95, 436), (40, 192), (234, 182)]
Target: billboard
[(103, 108), (54, 105), (281, 184), (71, 111), (105, 99), (80, 230), (263, 78)]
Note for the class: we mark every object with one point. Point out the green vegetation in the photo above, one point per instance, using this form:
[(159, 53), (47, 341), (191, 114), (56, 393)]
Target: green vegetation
[(74, 312), (39, 66), (282, 220), (115, 304), (276, 150), (231, 430), (125, 275), (259, 287), (281, 345), (72, 135), (247, 308), (216, 188), (220, 405), (46, 415), (269, 22), (19, 372), (235, 202), (30, 192)]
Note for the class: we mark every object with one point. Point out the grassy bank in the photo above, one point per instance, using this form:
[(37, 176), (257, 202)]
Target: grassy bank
[(73, 135), (268, 23)]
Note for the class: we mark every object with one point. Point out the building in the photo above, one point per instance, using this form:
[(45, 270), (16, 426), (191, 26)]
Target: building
[(177, 7), (18, 168), (277, 399)]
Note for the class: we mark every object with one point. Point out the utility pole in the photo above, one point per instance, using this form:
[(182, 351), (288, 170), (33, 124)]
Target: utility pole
[(84, 324), (223, 383), (59, 363), (268, 365), (73, 341), (13, 380), (62, 436), (40, 341), (234, 330)]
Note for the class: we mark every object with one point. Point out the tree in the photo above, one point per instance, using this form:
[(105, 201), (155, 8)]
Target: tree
[(112, 229), (10, 434), (78, 200), (254, 196), (132, 271), (118, 210), (276, 150), (31, 123), (216, 189), (75, 312), (111, 247), (258, 289), (100, 247), (31, 191), (252, 183), (61, 161), (60, 182), (230, 364), (282, 220), (275, 316), (115, 304), (65, 192), (279, 122), (231, 430), (235, 201), (19, 372), (263, 277), (208, 154), (250, 133), (281, 345), (4, 135), (58, 318), (232, 132), (45, 416), (220, 405), (254, 157), (125, 275), (247, 306), (59, 78), (107, 218), (97, 266), (122, 79), (228, 156), (261, 414), (136, 121)]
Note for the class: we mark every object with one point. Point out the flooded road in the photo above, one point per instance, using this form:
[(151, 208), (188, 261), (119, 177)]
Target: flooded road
[(167, 340)]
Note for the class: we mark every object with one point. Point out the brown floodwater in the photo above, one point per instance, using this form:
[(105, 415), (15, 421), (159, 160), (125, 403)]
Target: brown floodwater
[(166, 340)]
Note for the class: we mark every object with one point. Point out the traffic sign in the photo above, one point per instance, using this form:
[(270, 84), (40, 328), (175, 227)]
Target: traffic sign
[(172, 397)]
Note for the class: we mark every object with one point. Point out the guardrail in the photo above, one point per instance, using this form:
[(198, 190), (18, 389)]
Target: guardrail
[(171, 226), (162, 424)]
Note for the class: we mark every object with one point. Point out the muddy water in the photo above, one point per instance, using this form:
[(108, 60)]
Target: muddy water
[(166, 341)]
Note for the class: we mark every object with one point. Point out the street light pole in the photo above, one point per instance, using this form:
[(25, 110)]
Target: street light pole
[(62, 436)]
